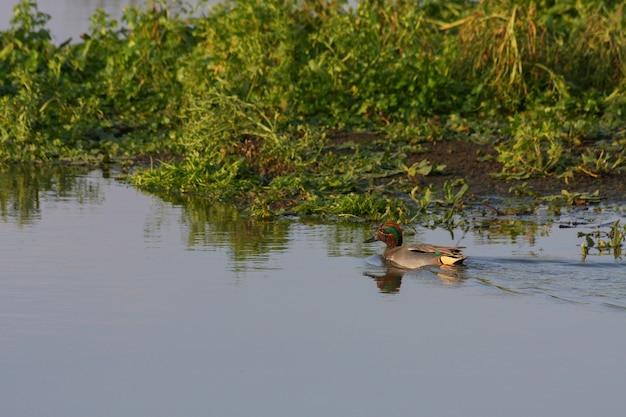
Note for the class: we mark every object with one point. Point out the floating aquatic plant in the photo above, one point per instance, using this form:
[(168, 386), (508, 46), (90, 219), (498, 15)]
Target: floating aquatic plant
[(604, 241)]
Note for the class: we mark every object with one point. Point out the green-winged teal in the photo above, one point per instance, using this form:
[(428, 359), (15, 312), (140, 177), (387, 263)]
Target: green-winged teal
[(414, 256)]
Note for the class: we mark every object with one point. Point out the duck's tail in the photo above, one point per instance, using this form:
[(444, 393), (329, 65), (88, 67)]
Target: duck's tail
[(454, 259)]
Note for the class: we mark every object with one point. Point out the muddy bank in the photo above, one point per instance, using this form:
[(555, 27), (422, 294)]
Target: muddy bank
[(477, 163)]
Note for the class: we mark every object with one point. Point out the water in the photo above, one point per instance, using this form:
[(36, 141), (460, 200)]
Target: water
[(118, 303), (71, 18)]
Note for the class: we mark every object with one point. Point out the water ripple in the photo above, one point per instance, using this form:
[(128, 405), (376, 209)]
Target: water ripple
[(596, 283)]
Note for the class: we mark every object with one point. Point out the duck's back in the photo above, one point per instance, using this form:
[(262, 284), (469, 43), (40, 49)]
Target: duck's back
[(417, 256)]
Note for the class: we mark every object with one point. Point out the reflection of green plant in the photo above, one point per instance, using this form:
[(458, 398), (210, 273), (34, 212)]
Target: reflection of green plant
[(22, 188), (494, 230), (211, 224), (604, 241)]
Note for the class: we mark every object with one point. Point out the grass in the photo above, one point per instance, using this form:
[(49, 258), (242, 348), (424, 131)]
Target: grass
[(237, 104)]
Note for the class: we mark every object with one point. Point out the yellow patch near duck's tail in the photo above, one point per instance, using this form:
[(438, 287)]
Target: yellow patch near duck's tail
[(449, 260)]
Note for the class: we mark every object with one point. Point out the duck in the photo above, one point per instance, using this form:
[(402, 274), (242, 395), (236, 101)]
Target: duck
[(414, 256)]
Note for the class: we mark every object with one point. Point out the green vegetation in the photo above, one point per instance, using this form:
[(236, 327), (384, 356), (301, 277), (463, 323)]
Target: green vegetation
[(603, 241), (242, 104)]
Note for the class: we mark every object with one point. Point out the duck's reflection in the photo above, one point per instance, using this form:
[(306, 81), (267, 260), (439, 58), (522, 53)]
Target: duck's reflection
[(389, 281), (388, 278)]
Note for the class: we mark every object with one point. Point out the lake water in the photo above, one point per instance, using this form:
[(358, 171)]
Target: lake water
[(71, 18), (118, 303)]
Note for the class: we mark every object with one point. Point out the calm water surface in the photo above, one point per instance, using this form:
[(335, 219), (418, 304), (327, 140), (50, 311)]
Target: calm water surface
[(118, 303)]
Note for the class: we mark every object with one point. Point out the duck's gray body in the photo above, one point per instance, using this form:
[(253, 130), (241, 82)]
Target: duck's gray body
[(417, 256), (414, 256)]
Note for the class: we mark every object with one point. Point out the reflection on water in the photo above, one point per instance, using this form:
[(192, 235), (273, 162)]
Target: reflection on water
[(251, 242), (208, 224), (529, 254), (22, 188), (388, 278), (542, 255), (198, 310), (595, 283), (535, 254), (516, 254)]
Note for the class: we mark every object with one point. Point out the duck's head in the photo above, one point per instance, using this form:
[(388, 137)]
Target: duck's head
[(388, 232)]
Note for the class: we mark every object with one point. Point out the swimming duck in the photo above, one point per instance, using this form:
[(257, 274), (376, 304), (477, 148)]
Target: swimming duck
[(414, 256)]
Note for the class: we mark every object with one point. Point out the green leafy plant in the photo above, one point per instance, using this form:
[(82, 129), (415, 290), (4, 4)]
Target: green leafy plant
[(239, 104), (573, 198), (423, 168), (454, 194), (531, 151), (604, 241), (597, 163)]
